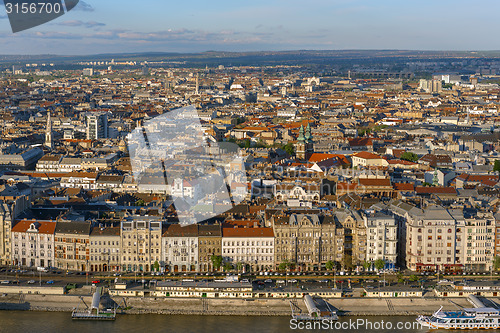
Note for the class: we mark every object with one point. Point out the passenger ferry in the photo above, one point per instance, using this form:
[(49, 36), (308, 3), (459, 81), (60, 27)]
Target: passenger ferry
[(476, 318)]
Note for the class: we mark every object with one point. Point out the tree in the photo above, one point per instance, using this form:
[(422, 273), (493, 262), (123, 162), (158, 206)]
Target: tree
[(330, 265), (289, 148), (284, 265), (496, 263), (496, 166), (409, 156), (228, 266), (379, 264), (216, 261), (413, 278), (239, 266), (156, 266), (367, 265)]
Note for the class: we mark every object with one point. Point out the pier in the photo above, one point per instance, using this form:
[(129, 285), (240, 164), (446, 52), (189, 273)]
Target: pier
[(94, 312)]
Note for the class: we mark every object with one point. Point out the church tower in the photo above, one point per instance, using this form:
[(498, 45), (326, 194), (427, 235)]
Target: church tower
[(48, 133), (309, 148), (304, 145), (300, 146)]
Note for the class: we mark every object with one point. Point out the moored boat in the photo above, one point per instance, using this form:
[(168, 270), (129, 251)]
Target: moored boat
[(467, 318)]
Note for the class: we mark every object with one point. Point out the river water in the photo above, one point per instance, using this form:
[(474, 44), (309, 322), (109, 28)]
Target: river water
[(28, 321)]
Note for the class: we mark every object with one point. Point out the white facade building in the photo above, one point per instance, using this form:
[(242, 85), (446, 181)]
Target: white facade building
[(33, 243), (381, 238), (180, 248), (250, 248)]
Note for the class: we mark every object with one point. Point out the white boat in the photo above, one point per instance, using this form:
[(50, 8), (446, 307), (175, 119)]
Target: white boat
[(472, 318)]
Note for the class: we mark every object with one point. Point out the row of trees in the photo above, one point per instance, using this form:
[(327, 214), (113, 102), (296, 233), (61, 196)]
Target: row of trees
[(218, 262)]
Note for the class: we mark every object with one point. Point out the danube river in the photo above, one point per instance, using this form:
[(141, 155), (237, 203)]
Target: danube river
[(27, 321)]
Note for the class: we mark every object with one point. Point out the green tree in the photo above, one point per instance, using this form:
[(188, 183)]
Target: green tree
[(239, 266), (156, 266), (496, 263), (496, 166), (413, 278), (289, 148), (216, 261), (367, 265), (330, 265), (379, 264), (228, 266), (139, 202), (284, 265), (409, 156)]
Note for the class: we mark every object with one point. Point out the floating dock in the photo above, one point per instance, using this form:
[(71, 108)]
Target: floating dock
[(314, 313), (93, 313)]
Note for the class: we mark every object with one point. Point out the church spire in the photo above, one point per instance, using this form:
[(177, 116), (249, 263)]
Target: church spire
[(301, 134), (308, 136), (48, 133)]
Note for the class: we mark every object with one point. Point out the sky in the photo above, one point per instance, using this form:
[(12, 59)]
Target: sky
[(112, 26)]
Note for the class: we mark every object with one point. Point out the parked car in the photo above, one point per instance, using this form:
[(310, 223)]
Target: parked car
[(50, 282), (31, 281), (96, 281), (5, 282)]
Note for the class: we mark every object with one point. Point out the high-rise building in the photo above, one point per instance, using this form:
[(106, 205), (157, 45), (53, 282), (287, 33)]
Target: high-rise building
[(88, 71), (431, 86), (97, 126)]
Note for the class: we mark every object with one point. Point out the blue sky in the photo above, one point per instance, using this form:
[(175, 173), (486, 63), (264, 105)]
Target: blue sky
[(242, 25)]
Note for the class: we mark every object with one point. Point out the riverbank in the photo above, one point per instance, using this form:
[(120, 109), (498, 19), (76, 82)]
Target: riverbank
[(236, 307)]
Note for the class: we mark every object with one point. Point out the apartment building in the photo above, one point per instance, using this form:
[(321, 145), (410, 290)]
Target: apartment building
[(248, 249), (381, 237), (354, 237), (479, 242), (209, 244), (141, 243), (308, 241), (180, 248), (105, 249), (435, 237), (72, 245), (33, 243)]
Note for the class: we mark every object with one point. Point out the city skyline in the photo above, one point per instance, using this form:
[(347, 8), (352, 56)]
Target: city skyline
[(260, 26)]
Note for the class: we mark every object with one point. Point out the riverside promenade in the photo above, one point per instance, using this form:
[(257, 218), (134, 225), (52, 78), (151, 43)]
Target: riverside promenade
[(239, 307)]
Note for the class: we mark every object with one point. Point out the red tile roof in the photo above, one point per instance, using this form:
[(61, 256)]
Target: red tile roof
[(404, 187), (247, 232), (375, 182), (367, 155), (435, 190), (45, 227)]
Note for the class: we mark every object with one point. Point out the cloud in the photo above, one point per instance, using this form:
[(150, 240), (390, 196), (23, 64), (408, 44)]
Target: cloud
[(78, 23), (83, 6), (2, 17)]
